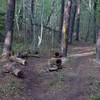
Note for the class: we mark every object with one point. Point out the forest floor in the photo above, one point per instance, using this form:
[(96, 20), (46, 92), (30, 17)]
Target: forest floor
[(78, 80)]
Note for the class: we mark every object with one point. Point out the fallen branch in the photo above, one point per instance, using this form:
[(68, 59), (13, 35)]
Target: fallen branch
[(18, 60)]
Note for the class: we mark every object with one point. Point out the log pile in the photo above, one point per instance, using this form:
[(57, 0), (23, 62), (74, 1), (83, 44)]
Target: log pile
[(12, 65), (12, 68), (13, 62), (55, 63)]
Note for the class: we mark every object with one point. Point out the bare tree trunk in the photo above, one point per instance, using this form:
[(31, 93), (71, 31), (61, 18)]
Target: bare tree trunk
[(98, 45), (32, 7), (72, 21), (88, 31), (78, 22), (95, 9), (64, 41), (61, 19), (9, 22), (32, 14)]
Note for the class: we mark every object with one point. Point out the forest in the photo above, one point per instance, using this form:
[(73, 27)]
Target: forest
[(49, 49)]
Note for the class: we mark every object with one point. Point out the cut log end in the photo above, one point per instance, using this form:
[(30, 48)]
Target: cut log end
[(53, 68), (55, 64), (36, 52), (18, 73), (21, 74), (57, 55)]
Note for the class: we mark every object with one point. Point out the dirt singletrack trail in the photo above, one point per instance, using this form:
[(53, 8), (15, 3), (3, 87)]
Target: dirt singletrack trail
[(78, 80)]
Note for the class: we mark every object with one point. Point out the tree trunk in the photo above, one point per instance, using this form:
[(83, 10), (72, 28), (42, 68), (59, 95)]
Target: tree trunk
[(64, 41), (78, 22), (98, 45), (32, 16), (88, 31), (9, 22), (61, 19), (95, 9), (72, 21)]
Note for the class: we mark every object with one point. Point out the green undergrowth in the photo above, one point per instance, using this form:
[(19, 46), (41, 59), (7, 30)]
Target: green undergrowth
[(96, 88), (96, 97), (0, 49)]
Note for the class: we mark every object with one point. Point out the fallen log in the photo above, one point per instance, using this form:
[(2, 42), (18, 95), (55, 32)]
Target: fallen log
[(18, 73), (18, 60), (55, 64), (12, 68), (35, 55), (24, 55)]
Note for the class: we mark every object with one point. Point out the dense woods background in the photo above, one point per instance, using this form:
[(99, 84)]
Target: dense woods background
[(37, 22)]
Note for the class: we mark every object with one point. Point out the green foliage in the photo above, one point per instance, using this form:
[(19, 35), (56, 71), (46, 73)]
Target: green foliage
[(96, 97), (2, 16), (0, 50), (44, 8), (3, 6), (98, 12)]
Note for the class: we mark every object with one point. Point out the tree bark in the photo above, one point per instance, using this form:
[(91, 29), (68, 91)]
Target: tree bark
[(95, 9), (98, 45), (9, 22), (72, 22), (61, 19), (78, 22), (32, 12), (18, 60), (64, 41)]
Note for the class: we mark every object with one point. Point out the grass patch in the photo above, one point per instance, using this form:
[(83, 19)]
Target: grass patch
[(9, 86)]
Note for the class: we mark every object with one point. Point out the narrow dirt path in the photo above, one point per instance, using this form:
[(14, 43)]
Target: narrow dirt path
[(76, 81)]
